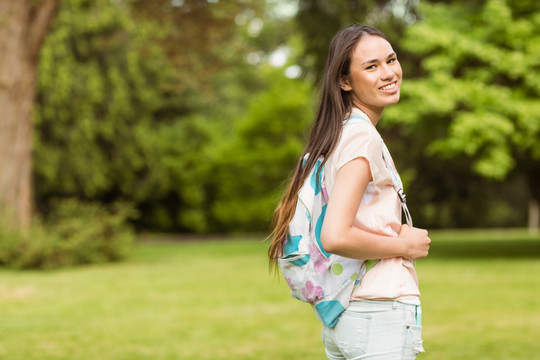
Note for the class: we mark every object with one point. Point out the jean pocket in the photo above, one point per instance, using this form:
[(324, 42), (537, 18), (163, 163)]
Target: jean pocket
[(352, 333), (414, 342)]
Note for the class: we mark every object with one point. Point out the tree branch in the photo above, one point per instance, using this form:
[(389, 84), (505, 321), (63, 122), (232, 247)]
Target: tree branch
[(40, 17)]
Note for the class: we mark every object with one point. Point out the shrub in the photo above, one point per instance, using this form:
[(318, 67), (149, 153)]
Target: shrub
[(73, 233)]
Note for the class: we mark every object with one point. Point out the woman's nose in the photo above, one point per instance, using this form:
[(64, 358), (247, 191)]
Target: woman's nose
[(387, 73)]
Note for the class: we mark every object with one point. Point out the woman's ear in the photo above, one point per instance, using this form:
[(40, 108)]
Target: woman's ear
[(344, 83)]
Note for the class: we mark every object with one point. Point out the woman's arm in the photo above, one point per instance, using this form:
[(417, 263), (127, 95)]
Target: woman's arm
[(341, 237)]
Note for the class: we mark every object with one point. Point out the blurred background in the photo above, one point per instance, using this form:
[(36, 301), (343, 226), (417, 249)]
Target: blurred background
[(126, 125), (187, 116)]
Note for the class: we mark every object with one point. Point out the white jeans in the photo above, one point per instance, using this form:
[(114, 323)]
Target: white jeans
[(375, 330)]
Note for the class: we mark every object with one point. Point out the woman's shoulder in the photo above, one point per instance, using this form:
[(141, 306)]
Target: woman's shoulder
[(358, 138), (360, 129)]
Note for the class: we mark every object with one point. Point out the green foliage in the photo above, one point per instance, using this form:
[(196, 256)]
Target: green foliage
[(133, 99), (252, 165), (98, 91), (319, 20), (468, 117), (74, 233), (480, 73)]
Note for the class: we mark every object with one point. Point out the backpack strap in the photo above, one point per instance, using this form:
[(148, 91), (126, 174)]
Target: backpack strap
[(398, 185), (396, 180), (321, 178), (324, 191)]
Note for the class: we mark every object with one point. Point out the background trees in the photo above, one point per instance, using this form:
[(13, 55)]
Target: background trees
[(319, 20), (475, 95), (104, 127), (193, 111), (143, 94)]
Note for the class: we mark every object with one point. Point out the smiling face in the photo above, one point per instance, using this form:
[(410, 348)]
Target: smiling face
[(374, 79)]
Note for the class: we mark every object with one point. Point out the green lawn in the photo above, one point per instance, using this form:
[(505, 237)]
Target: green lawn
[(215, 300)]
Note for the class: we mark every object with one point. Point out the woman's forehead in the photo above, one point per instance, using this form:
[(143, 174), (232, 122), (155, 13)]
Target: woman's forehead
[(372, 47)]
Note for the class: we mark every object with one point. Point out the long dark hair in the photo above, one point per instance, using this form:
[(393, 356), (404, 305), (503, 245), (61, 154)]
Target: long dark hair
[(335, 105)]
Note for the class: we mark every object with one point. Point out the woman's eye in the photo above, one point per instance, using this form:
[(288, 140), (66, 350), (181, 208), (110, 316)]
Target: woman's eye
[(370, 67), (392, 60)]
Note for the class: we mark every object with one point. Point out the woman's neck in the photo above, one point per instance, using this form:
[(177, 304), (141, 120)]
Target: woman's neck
[(373, 115)]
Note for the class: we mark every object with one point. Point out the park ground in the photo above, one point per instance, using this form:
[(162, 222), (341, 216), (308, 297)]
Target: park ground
[(215, 299)]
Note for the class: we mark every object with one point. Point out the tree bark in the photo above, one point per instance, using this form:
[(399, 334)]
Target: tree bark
[(534, 216), (533, 177), (23, 26)]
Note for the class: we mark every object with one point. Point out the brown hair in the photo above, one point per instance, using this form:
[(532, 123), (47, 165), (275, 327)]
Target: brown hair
[(335, 105)]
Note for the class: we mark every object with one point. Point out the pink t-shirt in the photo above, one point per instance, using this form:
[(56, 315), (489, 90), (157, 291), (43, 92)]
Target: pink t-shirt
[(379, 211)]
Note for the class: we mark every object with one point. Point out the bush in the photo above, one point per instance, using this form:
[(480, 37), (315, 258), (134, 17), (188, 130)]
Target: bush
[(73, 233)]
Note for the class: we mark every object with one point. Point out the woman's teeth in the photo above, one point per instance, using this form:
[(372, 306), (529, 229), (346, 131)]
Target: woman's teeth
[(389, 86)]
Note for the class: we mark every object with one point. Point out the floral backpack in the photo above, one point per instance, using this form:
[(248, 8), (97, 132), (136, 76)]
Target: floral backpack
[(324, 280)]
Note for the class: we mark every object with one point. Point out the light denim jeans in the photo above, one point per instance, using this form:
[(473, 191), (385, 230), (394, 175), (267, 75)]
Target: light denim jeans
[(375, 330)]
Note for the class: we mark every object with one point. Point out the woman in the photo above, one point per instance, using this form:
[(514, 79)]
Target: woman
[(363, 217)]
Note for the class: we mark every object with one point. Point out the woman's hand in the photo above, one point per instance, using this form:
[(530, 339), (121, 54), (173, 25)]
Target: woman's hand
[(416, 242)]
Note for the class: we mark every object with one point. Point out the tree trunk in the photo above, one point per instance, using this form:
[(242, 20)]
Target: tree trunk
[(533, 177), (23, 26), (534, 216)]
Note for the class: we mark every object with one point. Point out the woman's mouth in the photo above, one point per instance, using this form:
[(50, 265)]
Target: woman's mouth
[(389, 86)]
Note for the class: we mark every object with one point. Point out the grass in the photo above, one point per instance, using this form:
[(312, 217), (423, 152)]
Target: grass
[(215, 300)]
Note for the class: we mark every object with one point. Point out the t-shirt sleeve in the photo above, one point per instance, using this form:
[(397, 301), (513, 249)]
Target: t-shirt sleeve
[(360, 140)]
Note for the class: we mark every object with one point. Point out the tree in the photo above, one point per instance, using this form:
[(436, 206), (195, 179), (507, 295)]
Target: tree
[(23, 26), (478, 89), (99, 88), (133, 98), (115, 119), (319, 20), (201, 40), (252, 165)]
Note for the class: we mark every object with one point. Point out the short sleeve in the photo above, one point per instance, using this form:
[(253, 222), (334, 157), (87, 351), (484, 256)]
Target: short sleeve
[(359, 140)]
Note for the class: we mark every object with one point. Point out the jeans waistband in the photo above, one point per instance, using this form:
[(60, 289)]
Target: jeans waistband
[(379, 305)]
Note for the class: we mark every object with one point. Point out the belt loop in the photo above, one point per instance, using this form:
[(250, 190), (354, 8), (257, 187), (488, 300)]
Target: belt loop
[(418, 315), (394, 305)]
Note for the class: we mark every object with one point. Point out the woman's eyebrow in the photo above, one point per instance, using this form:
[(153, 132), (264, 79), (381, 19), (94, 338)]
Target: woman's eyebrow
[(373, 61)]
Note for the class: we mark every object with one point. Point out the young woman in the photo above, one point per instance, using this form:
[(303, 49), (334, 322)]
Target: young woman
[(363, 217)]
